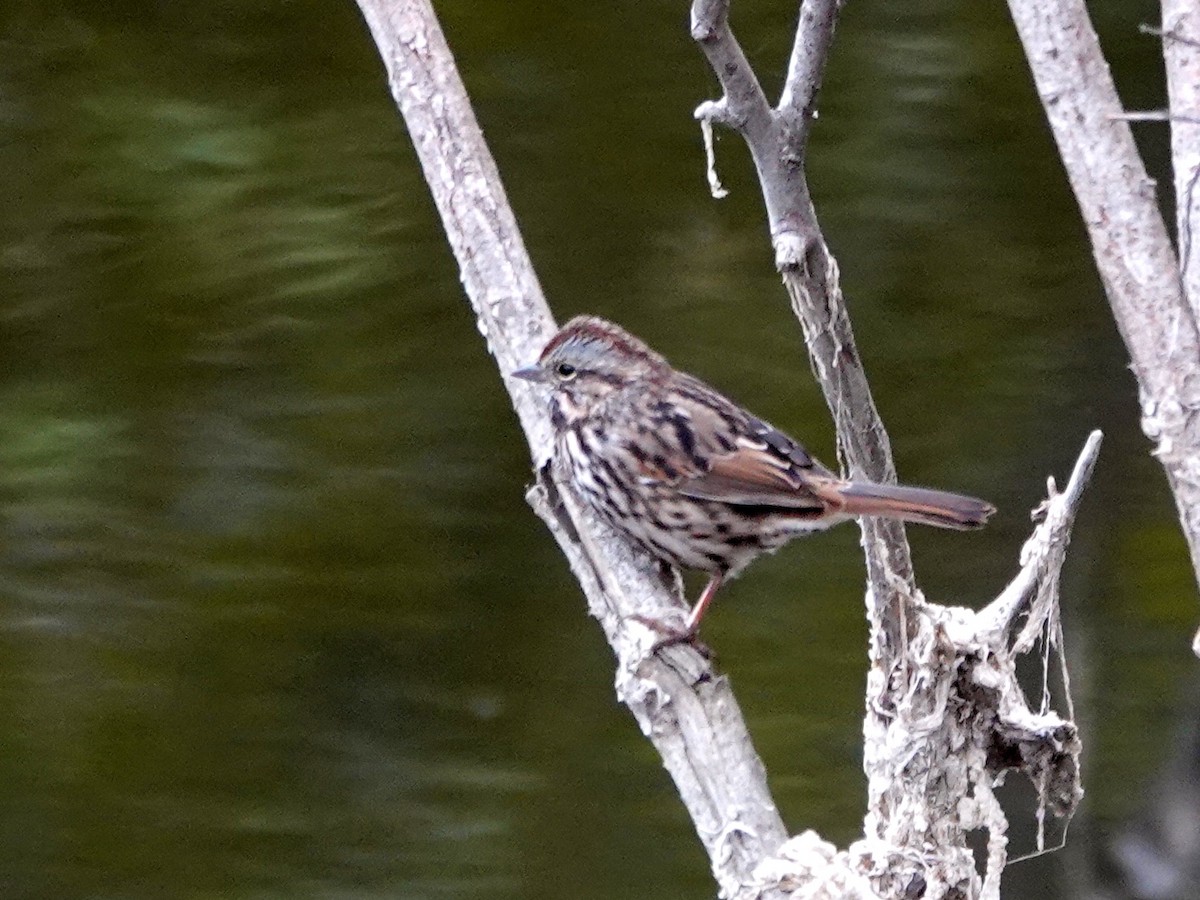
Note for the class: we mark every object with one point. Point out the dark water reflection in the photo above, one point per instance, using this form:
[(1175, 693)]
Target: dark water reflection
[(274, 620)]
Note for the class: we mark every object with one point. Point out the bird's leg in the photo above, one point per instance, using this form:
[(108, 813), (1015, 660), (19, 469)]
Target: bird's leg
[(686, 635), (706, 596)]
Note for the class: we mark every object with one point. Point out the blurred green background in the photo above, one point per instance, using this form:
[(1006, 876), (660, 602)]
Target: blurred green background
[(275, 621)]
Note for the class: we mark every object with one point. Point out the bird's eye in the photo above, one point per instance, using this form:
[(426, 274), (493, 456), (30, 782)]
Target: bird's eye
[(565, 370)]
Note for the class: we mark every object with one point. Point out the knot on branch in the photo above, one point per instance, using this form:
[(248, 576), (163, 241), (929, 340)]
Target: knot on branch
[(717, 112), (1167, 418), (792, 251), (800, 249)]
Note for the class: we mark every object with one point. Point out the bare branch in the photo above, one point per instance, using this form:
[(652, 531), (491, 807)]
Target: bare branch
[(1129, 238), (1181, 52), (806, 67), (767, 131), (806, 70), (810, 276), (1172, 35), (1153, 115), (688, 712)]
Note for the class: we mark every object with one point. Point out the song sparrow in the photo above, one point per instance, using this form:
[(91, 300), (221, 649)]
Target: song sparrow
[(689, 475)]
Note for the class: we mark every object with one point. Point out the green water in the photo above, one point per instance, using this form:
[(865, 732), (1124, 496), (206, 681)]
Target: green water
[(274, 619)]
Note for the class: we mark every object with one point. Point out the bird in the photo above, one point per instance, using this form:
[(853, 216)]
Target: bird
[(689, 475)]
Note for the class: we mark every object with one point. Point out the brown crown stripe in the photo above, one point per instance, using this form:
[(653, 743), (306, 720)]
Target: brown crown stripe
[(591, 328)]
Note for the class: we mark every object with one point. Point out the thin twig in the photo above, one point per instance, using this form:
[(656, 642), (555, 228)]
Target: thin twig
[(1170, 35), (806, 70), (810, 52), (1153, 115)]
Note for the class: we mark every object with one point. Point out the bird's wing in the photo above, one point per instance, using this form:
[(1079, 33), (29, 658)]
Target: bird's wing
[(734, 457)]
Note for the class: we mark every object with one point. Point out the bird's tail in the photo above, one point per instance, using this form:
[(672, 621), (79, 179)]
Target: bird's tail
[(913, 504)]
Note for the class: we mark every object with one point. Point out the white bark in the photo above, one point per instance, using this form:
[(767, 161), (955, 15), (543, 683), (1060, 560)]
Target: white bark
[(1154, 307), (1181, 50)]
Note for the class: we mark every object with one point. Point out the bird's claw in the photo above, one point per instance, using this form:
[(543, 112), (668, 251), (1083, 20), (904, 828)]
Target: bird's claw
[(672, 637)]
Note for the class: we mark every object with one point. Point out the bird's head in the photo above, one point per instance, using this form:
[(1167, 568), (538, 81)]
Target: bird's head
[(588, 360)]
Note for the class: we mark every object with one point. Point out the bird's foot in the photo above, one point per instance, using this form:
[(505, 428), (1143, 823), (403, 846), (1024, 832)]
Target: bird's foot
[(672, 636)]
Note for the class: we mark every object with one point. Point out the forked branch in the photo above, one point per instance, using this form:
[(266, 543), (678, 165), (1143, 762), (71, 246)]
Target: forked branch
[(777, 138), (924, 703)]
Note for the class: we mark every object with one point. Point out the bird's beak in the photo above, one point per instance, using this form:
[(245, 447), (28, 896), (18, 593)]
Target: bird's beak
[(535, 374)]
